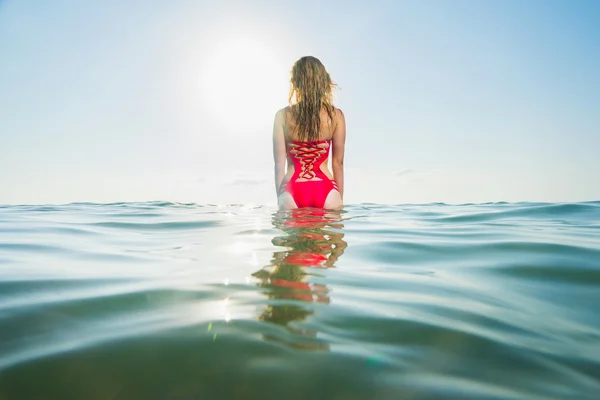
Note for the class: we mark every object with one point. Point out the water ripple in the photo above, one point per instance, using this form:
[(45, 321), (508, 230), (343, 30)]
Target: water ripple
[(172, 300)]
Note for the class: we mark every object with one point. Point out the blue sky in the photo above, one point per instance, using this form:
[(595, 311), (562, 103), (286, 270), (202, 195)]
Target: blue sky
[(451, 101)]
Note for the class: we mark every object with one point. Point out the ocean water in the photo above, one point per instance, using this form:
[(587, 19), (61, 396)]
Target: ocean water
[(183, 301)]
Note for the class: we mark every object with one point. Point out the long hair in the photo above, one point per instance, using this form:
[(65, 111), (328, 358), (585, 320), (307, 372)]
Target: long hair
[(312, 88)]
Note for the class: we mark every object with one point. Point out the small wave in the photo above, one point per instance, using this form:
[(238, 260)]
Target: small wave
[(156, 226), (560, 273), (394, 252), (527, 211)]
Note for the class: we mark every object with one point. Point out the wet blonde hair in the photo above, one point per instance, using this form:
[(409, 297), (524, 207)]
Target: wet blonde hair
[(312, 89)]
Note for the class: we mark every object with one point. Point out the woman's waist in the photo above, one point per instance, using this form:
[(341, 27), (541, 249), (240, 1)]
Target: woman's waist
[(307, 175)]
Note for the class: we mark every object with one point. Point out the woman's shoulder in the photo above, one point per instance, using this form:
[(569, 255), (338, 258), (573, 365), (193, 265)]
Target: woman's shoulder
[(283, 112), (338, 117)]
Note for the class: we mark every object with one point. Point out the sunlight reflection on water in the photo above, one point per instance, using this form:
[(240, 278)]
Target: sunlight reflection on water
[(186, 301)]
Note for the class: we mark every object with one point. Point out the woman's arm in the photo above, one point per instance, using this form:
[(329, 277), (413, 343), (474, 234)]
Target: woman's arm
[(339, 143), (279, 154)]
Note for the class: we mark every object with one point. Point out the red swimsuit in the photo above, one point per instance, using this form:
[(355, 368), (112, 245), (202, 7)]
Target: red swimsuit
[(309, 186)]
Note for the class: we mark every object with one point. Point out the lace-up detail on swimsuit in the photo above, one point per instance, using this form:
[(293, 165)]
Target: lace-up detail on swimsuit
[(309, 157), (309, 186)]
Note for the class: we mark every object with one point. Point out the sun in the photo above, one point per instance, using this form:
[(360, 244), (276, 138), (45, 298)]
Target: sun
[(243, 83)]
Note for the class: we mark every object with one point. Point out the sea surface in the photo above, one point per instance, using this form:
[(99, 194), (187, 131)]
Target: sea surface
[(163, 300)]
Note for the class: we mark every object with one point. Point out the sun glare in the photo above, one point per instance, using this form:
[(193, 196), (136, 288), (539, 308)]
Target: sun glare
[(243, 83)]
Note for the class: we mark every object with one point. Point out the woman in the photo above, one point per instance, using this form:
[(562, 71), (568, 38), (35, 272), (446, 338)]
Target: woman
[(302, 135)]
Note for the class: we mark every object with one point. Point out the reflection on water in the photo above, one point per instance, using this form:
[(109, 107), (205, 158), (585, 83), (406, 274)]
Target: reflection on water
[(312, 240), (157, 301)]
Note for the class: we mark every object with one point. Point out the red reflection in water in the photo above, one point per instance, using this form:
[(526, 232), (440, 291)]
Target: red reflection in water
[(312, 240)]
